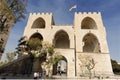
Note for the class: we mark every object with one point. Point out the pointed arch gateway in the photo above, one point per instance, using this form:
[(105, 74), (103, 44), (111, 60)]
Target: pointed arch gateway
[(61, 65), (61, 40), (39, 23), (38, 36), (36, 44), (91, 43), (88, 23), (35, 41)]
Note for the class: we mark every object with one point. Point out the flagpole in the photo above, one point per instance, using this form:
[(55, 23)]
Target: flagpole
[(76, 6)]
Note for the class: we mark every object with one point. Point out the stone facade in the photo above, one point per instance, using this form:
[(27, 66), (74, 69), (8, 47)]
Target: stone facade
[(86, 37)]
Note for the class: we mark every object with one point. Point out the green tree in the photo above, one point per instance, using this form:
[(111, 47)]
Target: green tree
[(87, 62), (39, 49), (11, 11), (51, 57), (1, 63), (35, 44), (44, 49), (18, 8), (22, 46), (10, 56), (116, 67)]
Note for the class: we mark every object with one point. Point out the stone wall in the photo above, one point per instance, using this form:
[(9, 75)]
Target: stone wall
[(76, 35)]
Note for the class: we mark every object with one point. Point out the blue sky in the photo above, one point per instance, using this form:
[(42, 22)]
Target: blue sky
[(60, 9)]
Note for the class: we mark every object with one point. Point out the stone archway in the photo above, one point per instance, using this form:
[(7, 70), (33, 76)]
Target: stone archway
[(39, 23), (37, 66), (61, 65), (91, 43), (35, 43), (37, 35), (88, 23), (61, 40)]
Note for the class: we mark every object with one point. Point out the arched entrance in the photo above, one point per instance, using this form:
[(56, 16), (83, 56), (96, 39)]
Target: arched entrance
[(88, 23), (35, 45), (35, 41), (61, 40), (91, 43), (37, 35), (60, 68), (39, 23), (38, 64)]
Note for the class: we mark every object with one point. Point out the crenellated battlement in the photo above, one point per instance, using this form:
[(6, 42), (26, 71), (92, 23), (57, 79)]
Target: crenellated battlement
[(36, 14), (84, 13)]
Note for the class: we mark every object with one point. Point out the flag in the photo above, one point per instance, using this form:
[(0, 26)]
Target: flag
[(73, 7)]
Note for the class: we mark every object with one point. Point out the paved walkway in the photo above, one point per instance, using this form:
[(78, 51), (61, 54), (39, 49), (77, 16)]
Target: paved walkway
[(63, 76)]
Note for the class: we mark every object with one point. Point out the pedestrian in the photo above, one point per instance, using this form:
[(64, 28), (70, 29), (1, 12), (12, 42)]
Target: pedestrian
[(40, 75), (35, 75), (44, 74), (60, 73)]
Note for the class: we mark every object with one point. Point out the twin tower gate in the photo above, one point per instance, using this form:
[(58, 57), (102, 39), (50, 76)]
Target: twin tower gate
[(79, 43)]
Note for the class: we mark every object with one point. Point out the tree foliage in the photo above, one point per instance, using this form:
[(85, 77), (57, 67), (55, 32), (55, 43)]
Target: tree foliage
[(115, 66), (3, 63), (87, 62), (10, 56), (14, 8), (22, 46), (11, 11), (35, 44), (39, 49), (18, 8)]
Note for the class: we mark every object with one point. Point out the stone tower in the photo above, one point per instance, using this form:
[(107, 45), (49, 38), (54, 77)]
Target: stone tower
[(80, 44)]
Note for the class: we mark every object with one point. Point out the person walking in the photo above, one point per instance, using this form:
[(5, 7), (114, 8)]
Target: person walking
[(35, 75)]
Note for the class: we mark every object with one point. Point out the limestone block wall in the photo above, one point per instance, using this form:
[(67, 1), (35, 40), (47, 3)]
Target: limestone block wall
[(70, 56), (48, 33), (43, 31), (75, 34), (100, 32), (46, 16), (102, 64), (68, 29), (80, 35)]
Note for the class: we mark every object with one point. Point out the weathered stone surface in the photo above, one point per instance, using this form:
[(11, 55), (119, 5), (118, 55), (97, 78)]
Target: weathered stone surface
[(86, 38)]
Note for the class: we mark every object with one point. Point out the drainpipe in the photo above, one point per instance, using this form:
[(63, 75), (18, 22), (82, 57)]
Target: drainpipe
[(75, 55)]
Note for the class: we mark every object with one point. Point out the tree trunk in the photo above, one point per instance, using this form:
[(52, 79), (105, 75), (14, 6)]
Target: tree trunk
[(36, 65), (49, 71), (90, 75)]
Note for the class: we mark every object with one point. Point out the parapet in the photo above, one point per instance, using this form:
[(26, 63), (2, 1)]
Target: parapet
[(88, 13), (36, 14)]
